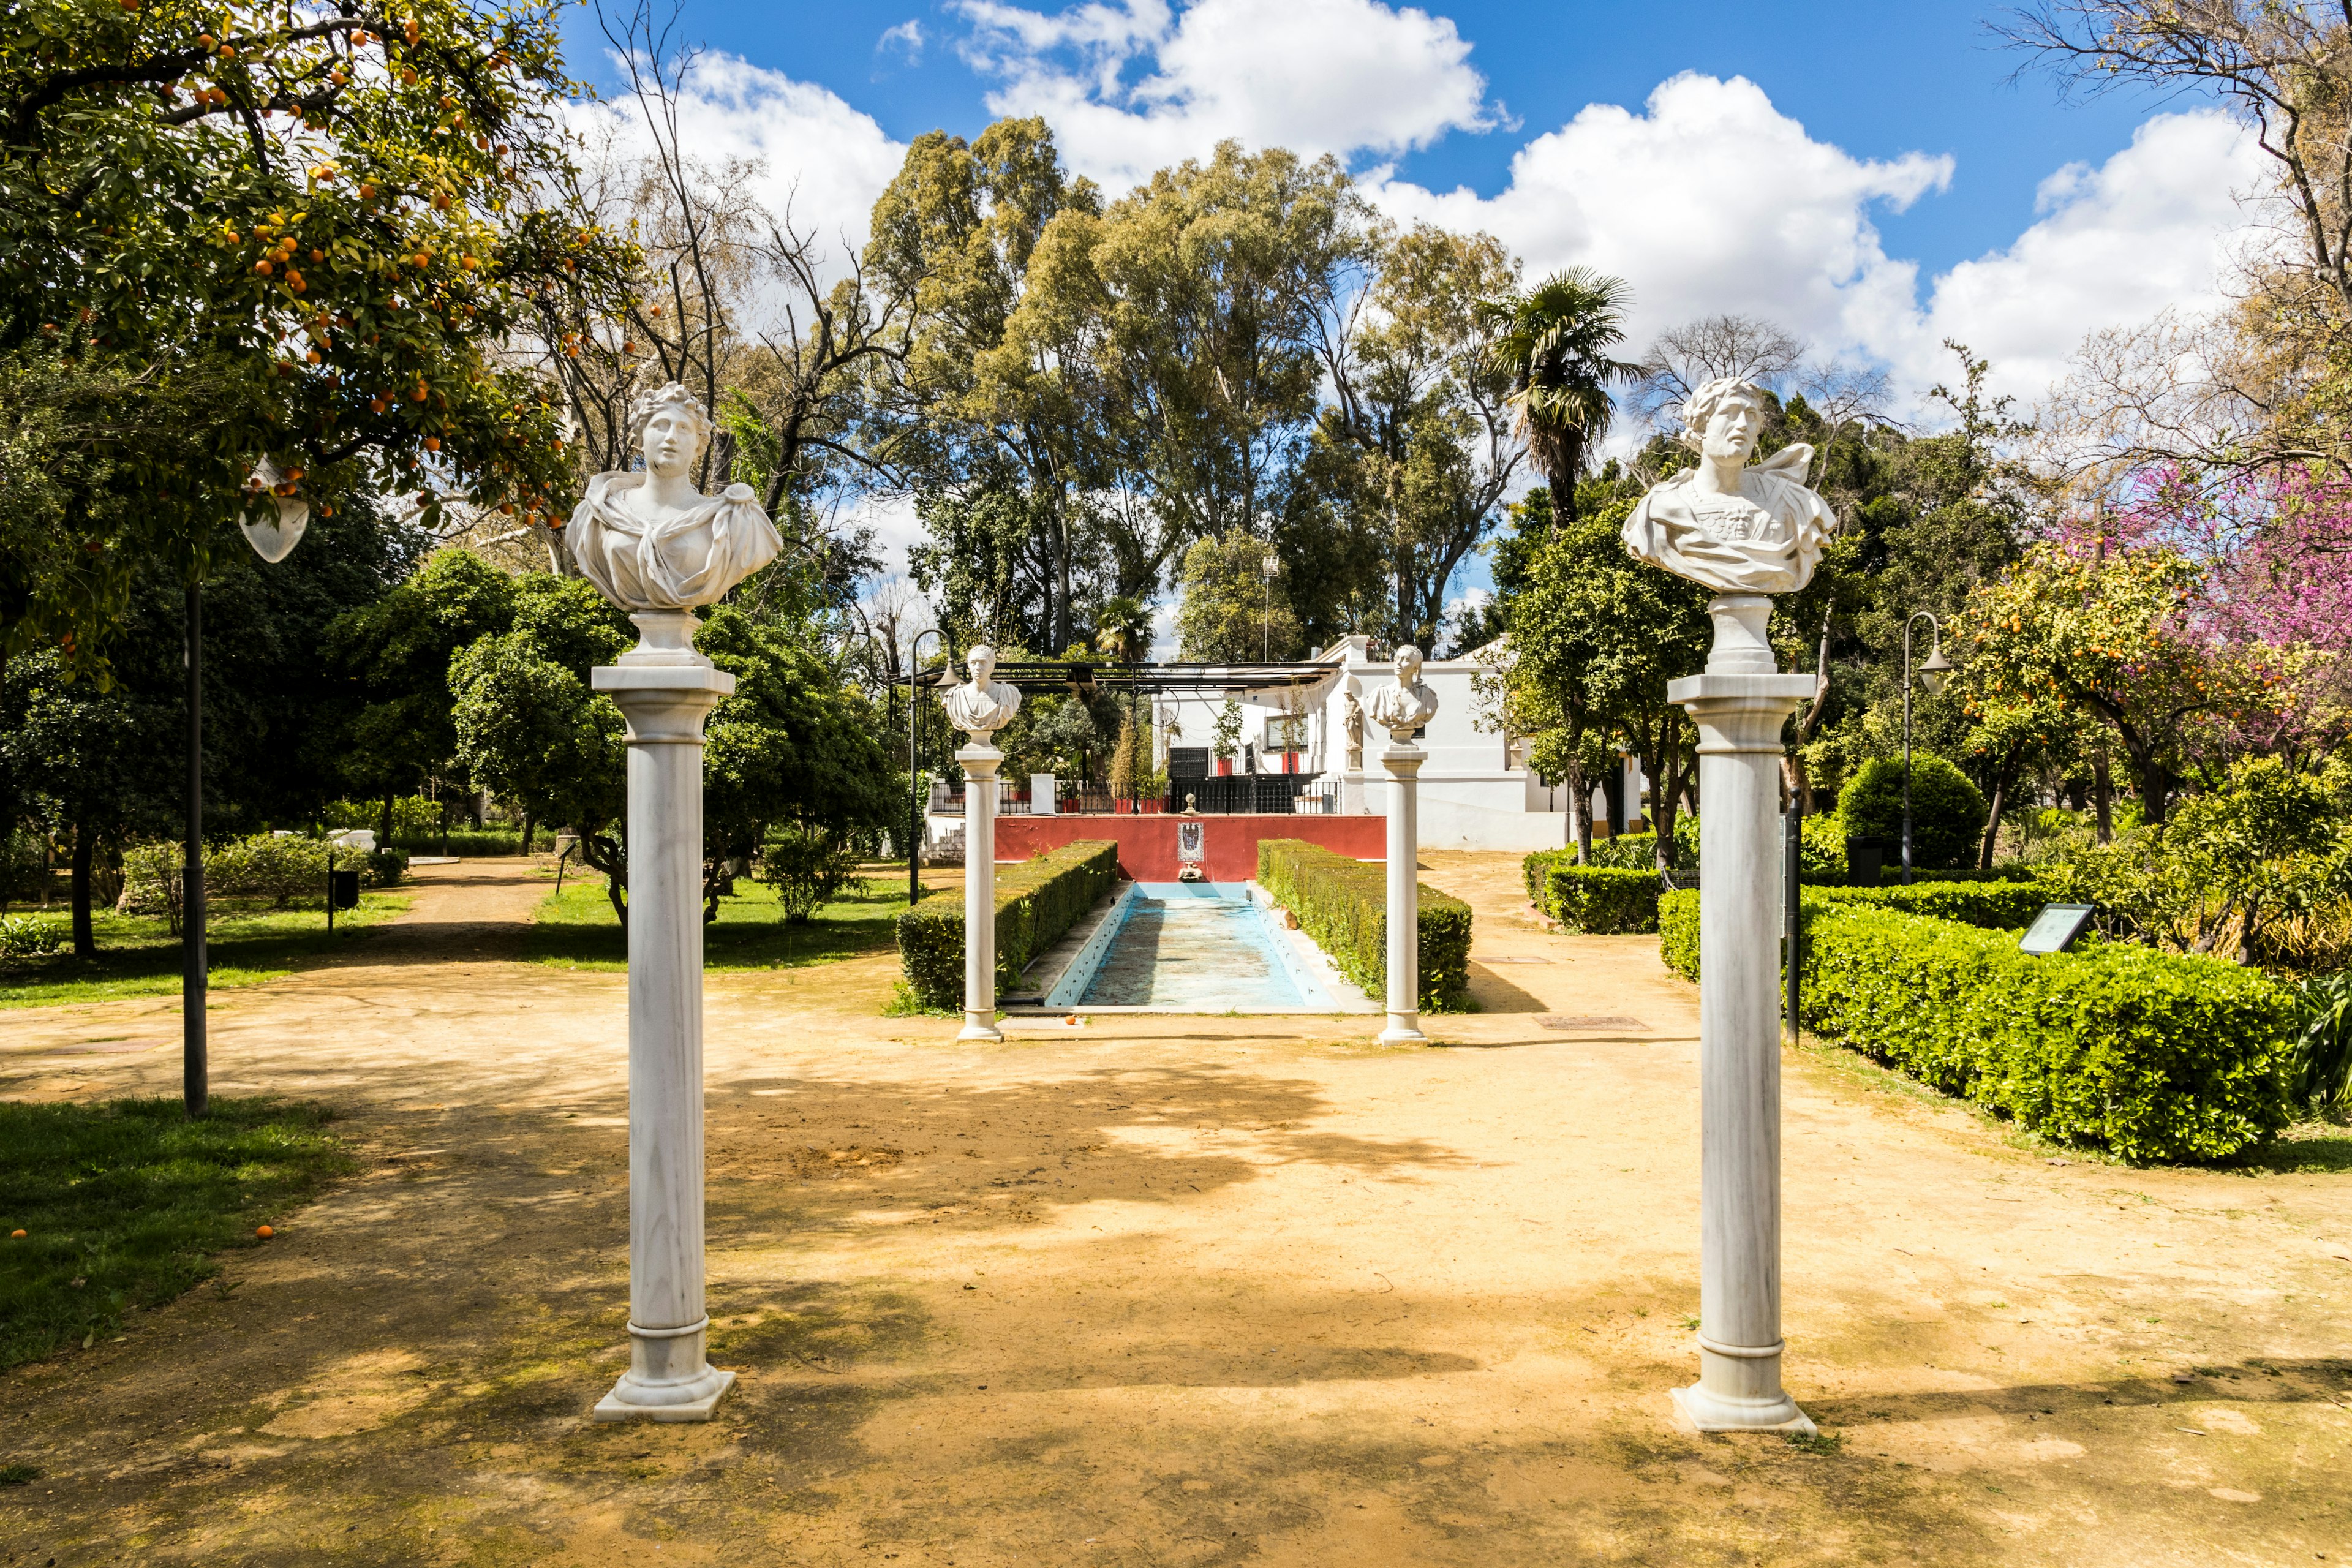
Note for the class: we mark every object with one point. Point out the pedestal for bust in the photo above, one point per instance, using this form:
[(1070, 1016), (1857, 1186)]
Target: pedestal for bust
[(1739, 704), (1403, 765), (664, 690), (980, 764)]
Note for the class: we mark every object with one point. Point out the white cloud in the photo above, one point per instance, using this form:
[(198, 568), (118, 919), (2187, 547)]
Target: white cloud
[(1713, 201), (1132, 86), (1710, 200), (906, 40), (815, 157), (2153, 227)]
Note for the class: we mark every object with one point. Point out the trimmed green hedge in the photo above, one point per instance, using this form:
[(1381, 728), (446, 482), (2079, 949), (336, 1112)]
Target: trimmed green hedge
[(1343, 905), (1037, 902), (1994, 906), (1602, 900), (1625, 852), (2156, 1057), (1678, 932)]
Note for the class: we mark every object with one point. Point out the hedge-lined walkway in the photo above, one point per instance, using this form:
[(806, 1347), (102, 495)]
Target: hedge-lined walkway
[(1173, 1291)]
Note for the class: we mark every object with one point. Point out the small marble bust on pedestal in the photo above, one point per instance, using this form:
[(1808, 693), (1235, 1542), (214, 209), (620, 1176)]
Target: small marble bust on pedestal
[(1403, 709), (980, 708), (1748, 533), (656, 547), (982, 705)]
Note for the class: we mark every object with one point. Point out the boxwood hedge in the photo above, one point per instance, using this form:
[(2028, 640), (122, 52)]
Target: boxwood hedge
[(1602, 900), (2155, 1057), (1994, 906), (1037, 902), (1343, 905)]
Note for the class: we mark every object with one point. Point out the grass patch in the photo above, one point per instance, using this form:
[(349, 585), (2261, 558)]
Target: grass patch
[(2314, 1147), (576, 928), (123, 1203), (246, 942)]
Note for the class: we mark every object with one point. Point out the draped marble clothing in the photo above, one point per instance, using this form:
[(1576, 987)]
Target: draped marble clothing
[(677, 563), (1765, 540)]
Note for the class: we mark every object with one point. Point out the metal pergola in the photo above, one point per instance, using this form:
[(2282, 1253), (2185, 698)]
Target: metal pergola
[(1142, 680)]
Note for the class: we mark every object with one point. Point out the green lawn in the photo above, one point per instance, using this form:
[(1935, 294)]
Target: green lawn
[(139, 957), (123, 1202), (577, 929)]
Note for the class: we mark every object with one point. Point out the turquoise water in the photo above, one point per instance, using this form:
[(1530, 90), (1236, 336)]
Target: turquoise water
[(1196, 947)]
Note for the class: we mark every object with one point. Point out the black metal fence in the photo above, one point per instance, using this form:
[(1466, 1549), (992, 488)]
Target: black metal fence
[(1270, 794)]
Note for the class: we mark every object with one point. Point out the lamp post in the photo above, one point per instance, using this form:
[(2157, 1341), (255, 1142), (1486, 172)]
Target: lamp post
[(914, 784), (273, 539), (1931, 675), (1270, 566)]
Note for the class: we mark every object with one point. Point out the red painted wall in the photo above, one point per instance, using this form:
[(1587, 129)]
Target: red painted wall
[(1147, 844)]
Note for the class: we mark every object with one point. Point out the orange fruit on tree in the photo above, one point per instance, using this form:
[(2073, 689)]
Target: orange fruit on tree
[(16, 1235)]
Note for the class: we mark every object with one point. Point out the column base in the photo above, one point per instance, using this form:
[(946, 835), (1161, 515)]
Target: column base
[(667, 1380), (1405, 1030), (980, 1026), (1709, 1412)]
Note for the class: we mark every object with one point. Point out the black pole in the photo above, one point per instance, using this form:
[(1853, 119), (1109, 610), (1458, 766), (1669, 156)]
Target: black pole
[(1906, 750), (1795, 865), (194, 1088), (914, 779)]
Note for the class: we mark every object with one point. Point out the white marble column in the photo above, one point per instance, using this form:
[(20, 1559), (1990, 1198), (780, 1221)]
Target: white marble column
[(980, 762), (1739, 704), (664, 690), (1403, 762)]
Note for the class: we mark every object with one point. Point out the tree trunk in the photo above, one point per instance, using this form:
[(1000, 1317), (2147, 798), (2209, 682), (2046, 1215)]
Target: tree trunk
[(2001, 783), (85, 940), (1579, 812), (383, 833), (606, 856), (1563, 505), (2102, 798), (527, 827)]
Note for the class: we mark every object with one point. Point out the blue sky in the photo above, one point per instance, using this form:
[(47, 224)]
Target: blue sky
[(1867, 176)]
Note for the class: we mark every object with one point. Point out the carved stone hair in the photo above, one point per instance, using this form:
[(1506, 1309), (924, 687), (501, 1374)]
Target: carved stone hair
[(672, 395), (1699, 408)]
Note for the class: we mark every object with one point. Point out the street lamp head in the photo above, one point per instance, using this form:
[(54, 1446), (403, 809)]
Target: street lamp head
[(276, 530), (1932, 673)]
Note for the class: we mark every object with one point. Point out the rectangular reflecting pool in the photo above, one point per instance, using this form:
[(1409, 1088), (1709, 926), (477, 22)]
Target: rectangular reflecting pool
[(1204, 947)]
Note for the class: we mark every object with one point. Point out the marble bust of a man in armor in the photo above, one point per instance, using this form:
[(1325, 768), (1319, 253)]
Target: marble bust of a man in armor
[(1734, 527)]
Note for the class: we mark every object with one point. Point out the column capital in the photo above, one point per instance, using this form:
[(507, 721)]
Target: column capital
[(1740, 713), (663, 703), (980, 760), (1404, 760)]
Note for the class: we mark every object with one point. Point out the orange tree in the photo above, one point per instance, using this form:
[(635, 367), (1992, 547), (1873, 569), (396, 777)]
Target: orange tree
[(231, 232), (2110, 638)]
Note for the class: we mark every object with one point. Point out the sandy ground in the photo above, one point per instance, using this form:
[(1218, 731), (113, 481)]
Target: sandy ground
[(1168, 1291)]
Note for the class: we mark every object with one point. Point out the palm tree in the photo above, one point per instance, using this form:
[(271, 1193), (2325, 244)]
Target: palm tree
[(1553, 343)]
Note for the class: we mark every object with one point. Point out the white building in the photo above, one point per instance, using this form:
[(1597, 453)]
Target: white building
[(1476, 792)]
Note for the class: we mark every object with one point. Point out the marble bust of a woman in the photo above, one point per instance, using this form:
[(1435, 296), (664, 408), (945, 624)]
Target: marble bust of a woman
[(647, 538), (1733, 526)]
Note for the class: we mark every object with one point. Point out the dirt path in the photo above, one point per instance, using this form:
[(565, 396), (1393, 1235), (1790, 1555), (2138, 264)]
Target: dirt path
[(1177, 1291), (476, 908)]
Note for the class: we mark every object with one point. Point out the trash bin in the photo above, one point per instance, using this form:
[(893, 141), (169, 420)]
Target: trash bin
[(343, 890), (1865, 857)]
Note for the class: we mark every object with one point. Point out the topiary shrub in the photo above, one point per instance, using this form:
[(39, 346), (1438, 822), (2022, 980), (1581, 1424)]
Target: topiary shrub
[(1343, 904), (1947, 812), (1602, 900), (1821, 853), (1037, 902)]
